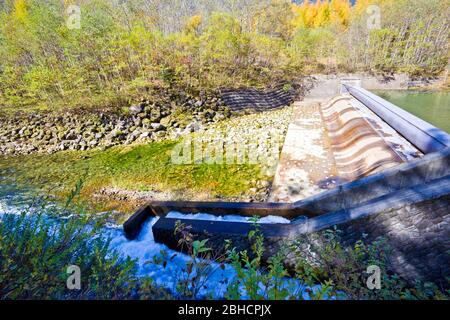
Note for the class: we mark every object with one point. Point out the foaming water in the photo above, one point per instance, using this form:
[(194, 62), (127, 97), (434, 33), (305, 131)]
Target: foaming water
[(228, 218), (13, 200), (144, 249)]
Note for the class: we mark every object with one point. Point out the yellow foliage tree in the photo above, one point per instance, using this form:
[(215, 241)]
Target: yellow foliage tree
[(340, 12), (20, 9), (193, 24), (321, 13)]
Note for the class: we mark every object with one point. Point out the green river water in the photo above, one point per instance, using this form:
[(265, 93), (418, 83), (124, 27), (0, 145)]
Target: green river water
[(433, 107)]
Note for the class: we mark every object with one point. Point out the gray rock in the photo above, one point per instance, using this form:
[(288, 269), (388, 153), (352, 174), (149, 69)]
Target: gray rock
[(157, 126), (218, 117), (134, 109), (144, 135)]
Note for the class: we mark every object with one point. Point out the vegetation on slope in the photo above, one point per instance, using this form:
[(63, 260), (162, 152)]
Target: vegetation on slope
[(126, 49)]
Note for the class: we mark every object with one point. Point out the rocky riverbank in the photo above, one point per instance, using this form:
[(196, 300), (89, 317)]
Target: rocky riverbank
[(24, 134), (124, 177)]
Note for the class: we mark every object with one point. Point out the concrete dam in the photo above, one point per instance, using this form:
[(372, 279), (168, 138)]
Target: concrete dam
[(350, 159)]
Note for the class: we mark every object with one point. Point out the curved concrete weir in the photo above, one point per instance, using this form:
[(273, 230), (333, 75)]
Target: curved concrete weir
[(358, 149)]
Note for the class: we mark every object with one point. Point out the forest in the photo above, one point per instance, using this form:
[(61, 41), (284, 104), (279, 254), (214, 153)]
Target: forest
[(106, 53)]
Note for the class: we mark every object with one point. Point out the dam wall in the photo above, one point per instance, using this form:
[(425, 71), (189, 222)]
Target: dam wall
[(418, 235)]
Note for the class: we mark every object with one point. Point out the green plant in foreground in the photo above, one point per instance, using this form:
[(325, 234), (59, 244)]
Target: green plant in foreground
[(257, 280), (324, 258), (256, 283), (35, 254), (197, 270), (251, 280), (328, 269), (37, 247)]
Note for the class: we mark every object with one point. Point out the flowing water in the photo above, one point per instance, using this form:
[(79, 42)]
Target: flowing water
[(433, 107)]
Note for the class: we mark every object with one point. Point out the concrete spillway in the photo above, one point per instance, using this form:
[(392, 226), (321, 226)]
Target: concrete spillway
[(333, 141), (426, 137), (358, 148)]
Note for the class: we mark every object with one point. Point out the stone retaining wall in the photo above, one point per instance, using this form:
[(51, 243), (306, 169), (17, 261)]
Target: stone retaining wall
[(263, 100), (418, 234)]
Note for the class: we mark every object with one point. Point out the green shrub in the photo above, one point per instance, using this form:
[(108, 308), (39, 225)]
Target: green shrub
[(36, 248), (325, 268), (323, 258), (197, 270), (255, 282), (253, 279)]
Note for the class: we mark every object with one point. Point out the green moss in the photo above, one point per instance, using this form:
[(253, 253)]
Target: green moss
[(140, 167)]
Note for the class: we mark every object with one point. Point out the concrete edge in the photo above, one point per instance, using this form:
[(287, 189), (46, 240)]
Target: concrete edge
[(163, 228), (426, 137)]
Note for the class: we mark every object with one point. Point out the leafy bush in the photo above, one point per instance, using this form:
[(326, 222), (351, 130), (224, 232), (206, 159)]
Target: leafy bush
[(123, 50), (323, 258), (36, 248), (190, 282), (324, 268), (251, 277), (255, 282)]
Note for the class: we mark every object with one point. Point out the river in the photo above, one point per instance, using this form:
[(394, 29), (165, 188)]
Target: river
[(15, 200), (431, 106)]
